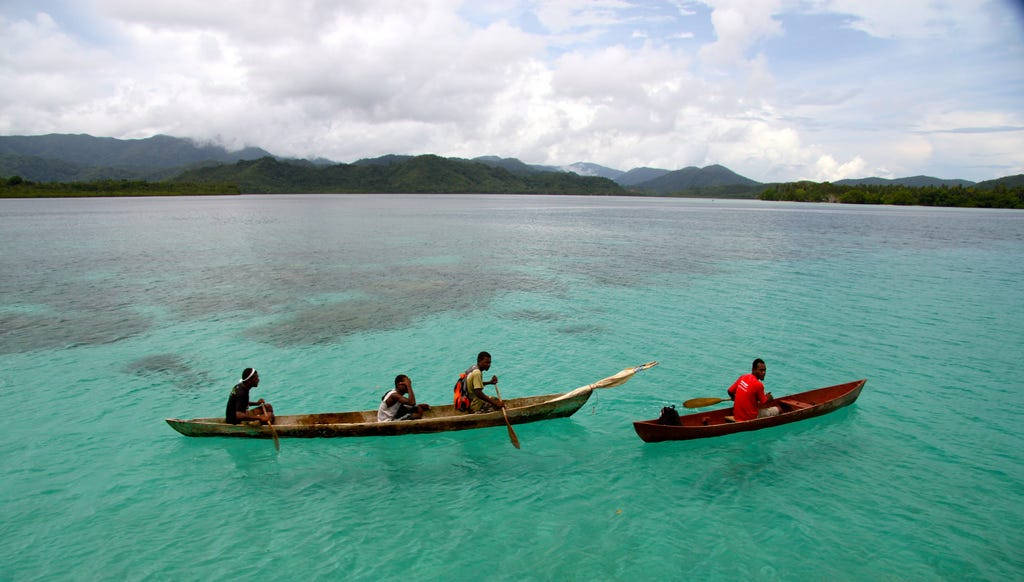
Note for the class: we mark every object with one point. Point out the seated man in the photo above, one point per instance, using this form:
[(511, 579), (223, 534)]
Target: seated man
[(400, 403), (238, 403), (747, 393), (470, 396)]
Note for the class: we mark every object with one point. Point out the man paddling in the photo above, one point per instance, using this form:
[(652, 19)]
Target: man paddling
[(400, 403), (474, 399), (747, 393), (238, 403)]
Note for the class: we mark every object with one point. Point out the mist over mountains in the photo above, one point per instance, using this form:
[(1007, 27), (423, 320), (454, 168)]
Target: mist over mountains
[(79, 157)]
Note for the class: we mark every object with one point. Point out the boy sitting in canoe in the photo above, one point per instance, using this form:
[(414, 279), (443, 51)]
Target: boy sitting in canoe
[(400, 403), (469, 390), (238, 403)]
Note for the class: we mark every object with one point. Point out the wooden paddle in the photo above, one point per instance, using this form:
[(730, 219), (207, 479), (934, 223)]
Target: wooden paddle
[(511, 433), (273, 431), (609, 382), (702, 402)]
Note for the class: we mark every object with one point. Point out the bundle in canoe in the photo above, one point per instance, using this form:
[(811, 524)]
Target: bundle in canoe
[(437, 419), (719, 422)]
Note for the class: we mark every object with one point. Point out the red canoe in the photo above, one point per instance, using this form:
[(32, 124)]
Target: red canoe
[(718, 422)]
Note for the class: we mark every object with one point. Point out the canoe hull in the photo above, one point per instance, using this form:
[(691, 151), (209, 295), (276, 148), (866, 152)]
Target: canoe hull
[(795, 407), (364, 423)]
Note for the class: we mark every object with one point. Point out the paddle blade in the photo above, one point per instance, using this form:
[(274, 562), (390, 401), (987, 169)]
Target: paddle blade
[(511, 433), (273, 431), (701, 402), (609, 382), (277, 442), (512, 436), (621, 377)]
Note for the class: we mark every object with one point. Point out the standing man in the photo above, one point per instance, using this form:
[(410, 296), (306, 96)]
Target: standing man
[(478, 401), (238, 403), (400, 403), (747, 393)]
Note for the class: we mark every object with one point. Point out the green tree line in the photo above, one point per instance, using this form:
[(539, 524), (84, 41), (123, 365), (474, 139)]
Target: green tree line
[(999, 196), (420, 174), (16, 187)]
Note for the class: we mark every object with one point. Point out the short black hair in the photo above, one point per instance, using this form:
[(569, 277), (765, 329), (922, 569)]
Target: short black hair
[(482, 355), (756, 362), (399, 378)]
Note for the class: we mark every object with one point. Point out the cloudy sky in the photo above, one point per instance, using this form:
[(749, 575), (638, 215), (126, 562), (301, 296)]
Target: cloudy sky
[(772, 89)]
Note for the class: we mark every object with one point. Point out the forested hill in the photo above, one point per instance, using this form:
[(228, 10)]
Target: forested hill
[(85, 152), (1015, 181), (427, 173), (714, 180)]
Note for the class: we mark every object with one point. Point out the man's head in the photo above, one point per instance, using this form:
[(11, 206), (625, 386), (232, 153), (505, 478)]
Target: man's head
[(758, 369), (402, 383), (483, 361), (250, 377)]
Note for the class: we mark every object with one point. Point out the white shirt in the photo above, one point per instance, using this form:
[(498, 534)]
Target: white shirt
[(387, 413)]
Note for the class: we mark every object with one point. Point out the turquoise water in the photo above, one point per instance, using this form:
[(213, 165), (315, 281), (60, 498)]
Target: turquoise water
[(118, 313)]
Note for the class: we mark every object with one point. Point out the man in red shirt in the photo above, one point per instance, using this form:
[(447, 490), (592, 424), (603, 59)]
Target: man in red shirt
[(747, 393)]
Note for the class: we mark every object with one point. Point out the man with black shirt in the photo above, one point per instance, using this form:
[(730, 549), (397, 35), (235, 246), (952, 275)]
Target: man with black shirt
[(238, 403)]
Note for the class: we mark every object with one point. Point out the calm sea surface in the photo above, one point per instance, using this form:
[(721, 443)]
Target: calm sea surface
[(118, 313)]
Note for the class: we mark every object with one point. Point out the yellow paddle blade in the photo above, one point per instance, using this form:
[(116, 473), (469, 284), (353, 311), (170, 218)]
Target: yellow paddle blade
[(512, 435), (701, 402)]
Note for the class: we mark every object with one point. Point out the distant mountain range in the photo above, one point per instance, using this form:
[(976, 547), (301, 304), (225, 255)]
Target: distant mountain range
[(69, 158), (589, 169), (420, 174), (638, 176)]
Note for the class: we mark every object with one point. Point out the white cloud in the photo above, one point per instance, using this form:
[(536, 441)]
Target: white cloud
[(829, 170), (683, 8), (37, 56), (739, 24)]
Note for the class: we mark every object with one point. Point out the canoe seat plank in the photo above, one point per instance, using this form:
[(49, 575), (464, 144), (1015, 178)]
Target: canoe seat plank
[(795, 404)]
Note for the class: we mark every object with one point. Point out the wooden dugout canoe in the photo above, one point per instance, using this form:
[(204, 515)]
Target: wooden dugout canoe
[(714, 423), (437, 419)]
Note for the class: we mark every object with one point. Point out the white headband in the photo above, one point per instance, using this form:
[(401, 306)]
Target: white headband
[(251, 374)]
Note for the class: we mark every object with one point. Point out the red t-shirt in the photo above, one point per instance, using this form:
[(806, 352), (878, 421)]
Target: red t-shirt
[(749, 393)]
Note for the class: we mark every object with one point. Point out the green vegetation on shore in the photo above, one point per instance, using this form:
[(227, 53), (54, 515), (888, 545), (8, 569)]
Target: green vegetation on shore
[(1000, 195), (15, 187), (420, 174), (434, 174), (267, 175)]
